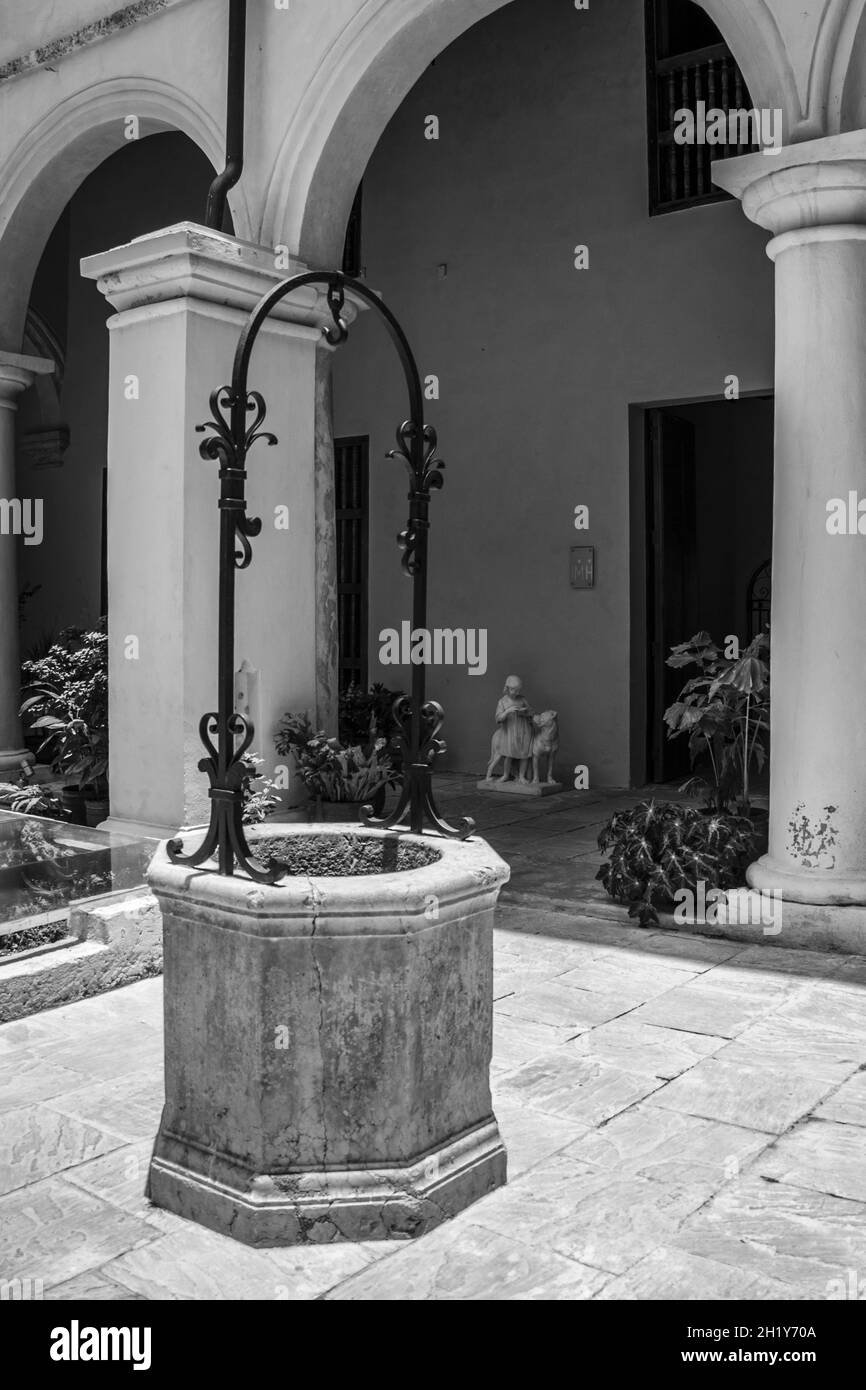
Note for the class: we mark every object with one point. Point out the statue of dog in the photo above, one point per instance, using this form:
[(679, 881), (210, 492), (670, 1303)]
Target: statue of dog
[(545, 742)]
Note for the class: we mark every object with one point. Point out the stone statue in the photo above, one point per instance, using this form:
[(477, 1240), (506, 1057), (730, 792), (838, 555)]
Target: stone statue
[(522, 741), (545, 743), (512, 741)]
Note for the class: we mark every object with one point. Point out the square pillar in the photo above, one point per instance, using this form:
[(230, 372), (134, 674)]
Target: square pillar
[(182, 296)]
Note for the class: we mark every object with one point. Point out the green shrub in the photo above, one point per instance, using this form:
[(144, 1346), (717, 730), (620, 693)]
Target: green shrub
[(331, 772), (659, 848), (67, 704)]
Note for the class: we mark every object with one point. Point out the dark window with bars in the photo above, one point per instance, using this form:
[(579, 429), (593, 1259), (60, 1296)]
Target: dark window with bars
[(687, 62), (352, 495)]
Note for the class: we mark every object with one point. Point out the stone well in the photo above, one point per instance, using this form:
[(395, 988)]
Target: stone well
[(328, 1040)]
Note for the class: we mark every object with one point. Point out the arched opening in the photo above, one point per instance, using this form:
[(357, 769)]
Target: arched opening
[(62, 420), (542, 363)]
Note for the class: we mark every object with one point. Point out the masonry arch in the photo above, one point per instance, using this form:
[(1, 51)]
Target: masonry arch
[(44, 171), (375, 61)]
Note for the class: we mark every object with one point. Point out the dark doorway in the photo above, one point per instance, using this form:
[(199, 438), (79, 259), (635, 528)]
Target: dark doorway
[(671, 581), (352, 493), (709, 526)]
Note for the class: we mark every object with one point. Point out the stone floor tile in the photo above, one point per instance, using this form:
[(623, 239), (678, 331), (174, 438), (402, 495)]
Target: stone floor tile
[(118, 1177), (113, 1052), (628, 977), (789, 1045), (25, 1077), (518, 1040), (576, 1088), (778, 960), (645, 1047), (563, 1005), (799, 1237), (820, 1154), (598, 1219), (830, 1004), (848, 1104), (674, 1274), (53, 1232), (684, 952), (531, 1136), (36, 1143), (721, 1012), (753, 1096), (94, 1286), (666, 1146), (465, 1262), (130, 1106), (195, 1263)]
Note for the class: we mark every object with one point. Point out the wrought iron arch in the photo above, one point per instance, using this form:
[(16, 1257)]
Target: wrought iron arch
[(418, 719)]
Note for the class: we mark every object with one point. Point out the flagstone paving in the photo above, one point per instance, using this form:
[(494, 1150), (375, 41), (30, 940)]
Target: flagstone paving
[(685, 1118)]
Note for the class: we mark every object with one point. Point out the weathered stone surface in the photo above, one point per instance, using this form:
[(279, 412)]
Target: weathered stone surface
[(822, 1155), (677, 1275), (52, 1232), (328, 1045), (744, 1093), (649, 1142), (36, 1142), (115, 942), (448, 1266), (801, 1238)]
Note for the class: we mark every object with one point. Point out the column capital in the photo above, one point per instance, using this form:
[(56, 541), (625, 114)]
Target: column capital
[(17, 372), (188, 261), (814, 191)]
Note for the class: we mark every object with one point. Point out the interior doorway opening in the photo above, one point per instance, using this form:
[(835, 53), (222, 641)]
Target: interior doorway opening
[(707, 510)]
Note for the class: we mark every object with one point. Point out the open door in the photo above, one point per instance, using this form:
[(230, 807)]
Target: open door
[(671, 579)]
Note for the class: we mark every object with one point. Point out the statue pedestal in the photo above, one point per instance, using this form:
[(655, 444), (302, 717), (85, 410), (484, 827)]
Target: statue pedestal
[(515, 788)]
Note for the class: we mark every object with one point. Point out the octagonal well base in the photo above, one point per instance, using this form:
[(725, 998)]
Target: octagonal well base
[(328, 1039), (396, 1203)]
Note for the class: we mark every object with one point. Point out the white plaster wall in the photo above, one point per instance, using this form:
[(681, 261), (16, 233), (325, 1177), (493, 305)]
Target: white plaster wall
[(542, 147)]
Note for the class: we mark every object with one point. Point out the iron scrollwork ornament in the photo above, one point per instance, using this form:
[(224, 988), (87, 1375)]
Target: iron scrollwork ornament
[(227, 735)]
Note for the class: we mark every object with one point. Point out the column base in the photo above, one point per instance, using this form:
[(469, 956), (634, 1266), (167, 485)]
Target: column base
[(822, 887), (323, 1207), (146, 830), (12, 760)]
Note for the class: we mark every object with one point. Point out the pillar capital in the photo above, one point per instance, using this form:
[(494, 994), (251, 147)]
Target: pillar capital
[(814, 191), (17, 372), (188, 261)]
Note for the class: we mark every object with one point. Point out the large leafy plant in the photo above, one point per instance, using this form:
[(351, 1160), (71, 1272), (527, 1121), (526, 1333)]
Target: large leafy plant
[(30, 800), (366, 715), (331, 772), (67, 703), (659, 848), (724, 712)]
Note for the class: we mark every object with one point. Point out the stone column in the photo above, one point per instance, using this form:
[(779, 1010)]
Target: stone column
[(182, 296), (16, 374), (812, 197)]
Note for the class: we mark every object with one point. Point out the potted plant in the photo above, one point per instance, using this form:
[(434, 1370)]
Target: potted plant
[(30, 800), (724, 712), (67, 703), (657, 849), (339, 780)]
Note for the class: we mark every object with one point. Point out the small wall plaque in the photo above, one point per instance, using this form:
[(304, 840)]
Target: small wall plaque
[(583, 567)]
